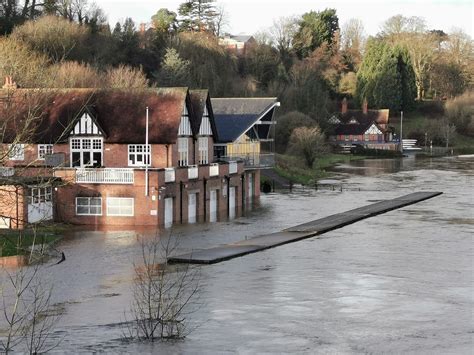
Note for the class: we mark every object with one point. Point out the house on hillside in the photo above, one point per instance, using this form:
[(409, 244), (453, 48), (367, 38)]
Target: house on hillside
[(367, 128), (121, 157), (238, 45)]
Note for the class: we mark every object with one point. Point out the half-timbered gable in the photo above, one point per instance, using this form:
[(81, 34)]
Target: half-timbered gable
[(87, 124), (203, 125)]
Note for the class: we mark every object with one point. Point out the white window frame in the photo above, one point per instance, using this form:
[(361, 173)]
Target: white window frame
[(203, 148), (43, 150), (139, 150), (89, 206), (37, 194), (16, 152), (183, 151), (93, 147), (120, 207)]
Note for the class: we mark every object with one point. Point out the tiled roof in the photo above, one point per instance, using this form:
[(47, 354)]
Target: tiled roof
[(378, 116), (241, 38), (120, 113)]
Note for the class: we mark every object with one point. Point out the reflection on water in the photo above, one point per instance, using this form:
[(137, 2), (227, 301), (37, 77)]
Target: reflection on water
[(399, 282)]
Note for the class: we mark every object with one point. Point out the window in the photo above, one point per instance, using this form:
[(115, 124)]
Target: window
[(203, 150), (86, 152), (89, 206), (139, 155), (120, 206), (39, 195), (44, 149), (16, 152), (182, 151)]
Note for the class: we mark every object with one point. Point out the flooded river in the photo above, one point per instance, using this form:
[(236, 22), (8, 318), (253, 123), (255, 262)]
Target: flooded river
[(396, 283)]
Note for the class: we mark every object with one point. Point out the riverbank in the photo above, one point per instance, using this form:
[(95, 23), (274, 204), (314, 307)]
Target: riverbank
[(293, 169), (19, 242)]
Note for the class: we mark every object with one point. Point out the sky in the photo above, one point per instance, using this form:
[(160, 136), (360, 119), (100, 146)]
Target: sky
[(251, 16)]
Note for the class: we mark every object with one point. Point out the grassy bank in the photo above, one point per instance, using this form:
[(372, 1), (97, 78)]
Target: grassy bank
[(293, 168), (416, 124), (15, 242)]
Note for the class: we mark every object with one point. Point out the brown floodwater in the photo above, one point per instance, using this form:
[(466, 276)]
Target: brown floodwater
[(395, 283)]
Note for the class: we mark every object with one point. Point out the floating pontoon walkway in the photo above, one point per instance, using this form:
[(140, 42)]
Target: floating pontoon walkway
[(302, 231)]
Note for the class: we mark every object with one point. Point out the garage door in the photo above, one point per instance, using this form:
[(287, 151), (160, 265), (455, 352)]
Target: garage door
[(213, 206), (168, 212), (192, 208), (232, 202)]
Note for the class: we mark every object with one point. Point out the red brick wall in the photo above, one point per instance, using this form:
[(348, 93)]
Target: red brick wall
[(13, 205), (158, 191)]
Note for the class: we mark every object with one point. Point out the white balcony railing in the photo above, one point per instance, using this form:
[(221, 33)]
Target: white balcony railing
[(104, 176), (232, 167), (170, 175), (214, 169), (193, 172), (6, 171)]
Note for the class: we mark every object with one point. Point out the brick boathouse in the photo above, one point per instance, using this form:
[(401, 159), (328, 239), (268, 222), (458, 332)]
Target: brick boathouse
[(115, 164)]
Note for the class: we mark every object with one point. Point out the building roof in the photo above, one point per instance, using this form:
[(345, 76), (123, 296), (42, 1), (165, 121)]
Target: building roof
[(377, 116), (234, 116), (242, 106), (353, 129), (241, 38), (120, 113)]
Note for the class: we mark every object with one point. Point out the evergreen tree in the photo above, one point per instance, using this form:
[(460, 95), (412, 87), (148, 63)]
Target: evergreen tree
[(315, 29), (198, 15), (174, 70), (386, 78)]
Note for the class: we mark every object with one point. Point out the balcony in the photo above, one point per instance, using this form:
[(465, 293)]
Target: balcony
[(252, 161), (104, 176), (193, 172), (6, 171), (170, 175), (214, 170)]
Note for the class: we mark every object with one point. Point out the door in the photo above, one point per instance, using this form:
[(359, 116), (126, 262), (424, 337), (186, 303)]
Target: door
[(168, 212), (40, 204), (192, 208), (251, 192), (213, 206), (231, 202)]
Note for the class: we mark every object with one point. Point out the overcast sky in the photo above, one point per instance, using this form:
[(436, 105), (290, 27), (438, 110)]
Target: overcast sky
[(250, 16)]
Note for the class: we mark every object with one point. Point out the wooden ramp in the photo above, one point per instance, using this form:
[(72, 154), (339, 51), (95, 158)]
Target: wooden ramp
[(302, 231)]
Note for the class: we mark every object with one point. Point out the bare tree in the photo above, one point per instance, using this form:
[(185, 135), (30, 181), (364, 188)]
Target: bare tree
[(308, 142), (124, 76), (27, 312), (221, 20), (164, 295), (282, 32)]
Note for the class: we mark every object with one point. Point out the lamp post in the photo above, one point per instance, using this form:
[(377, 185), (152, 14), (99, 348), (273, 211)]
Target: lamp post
[(401, 132), (147, 157)]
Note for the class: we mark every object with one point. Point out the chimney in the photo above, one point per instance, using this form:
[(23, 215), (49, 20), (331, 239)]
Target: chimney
[(344, 106), (9, 83), (364, 107)]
